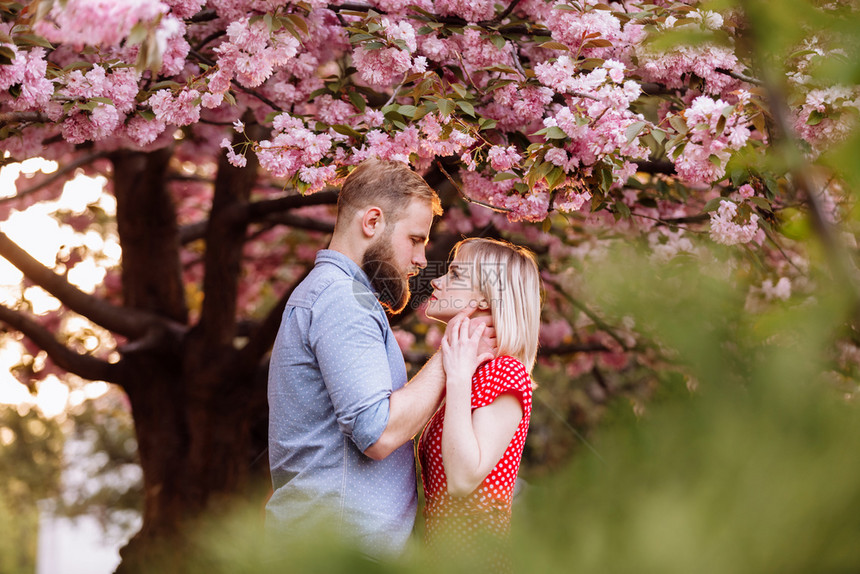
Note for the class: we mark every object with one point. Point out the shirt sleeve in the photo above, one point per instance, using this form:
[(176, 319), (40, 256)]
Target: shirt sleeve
[(501, 375), (347, 335)]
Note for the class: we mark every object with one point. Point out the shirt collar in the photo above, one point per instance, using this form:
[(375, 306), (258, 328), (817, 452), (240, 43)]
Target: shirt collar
[(346, 264)]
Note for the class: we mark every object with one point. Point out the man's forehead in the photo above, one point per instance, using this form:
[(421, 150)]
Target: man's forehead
[(418, 217)]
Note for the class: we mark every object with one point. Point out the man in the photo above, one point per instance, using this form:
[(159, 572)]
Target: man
[(342, 417)]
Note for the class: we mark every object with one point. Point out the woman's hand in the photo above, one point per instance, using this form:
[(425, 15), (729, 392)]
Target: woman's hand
[(461, 354)]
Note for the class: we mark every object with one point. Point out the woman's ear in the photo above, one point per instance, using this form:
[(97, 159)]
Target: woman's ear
[(373, 221), (483, 304)]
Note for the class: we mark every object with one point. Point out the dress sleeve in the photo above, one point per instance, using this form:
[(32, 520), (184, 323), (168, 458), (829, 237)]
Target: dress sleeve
[(501, 375), (348, 340)]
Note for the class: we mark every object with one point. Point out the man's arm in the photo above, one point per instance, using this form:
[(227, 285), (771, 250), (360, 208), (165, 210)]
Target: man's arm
[(410, 407)]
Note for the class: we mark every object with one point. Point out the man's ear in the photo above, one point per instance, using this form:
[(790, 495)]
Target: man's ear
[(373, 221)]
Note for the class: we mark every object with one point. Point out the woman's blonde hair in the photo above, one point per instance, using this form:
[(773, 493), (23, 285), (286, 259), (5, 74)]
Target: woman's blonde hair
[(507, 276)]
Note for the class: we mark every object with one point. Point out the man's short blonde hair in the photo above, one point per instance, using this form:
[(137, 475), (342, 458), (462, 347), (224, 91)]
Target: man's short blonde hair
[(508, 278), (390, 185)]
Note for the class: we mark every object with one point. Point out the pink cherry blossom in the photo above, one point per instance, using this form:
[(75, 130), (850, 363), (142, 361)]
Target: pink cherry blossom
[(181, 110), (504, 158), (724, 228), (97, 22), (469, 10)]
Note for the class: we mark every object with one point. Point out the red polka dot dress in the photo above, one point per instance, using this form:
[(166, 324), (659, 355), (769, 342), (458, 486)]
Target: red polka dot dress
[(486, 513)]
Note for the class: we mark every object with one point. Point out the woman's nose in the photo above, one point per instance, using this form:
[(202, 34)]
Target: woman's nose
[(435, 282)]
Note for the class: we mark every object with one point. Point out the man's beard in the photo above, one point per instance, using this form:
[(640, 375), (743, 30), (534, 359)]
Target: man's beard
[(391, 284)]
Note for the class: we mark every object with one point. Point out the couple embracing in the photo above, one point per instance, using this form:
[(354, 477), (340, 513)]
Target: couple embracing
[(342, 414)]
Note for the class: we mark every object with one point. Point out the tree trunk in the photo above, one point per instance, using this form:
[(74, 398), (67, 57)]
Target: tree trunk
[(197, 434)]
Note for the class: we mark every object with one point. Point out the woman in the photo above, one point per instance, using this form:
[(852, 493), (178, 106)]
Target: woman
[(470, 450)]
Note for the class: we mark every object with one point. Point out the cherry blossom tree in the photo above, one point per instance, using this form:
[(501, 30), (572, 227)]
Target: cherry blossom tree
[(691, 129)]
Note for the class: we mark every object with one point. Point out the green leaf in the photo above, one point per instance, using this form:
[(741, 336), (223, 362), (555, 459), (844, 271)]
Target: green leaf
[(658, 135), (713, 204), (298, 22), (408, 111), (32, 40), (521, 187), (167, 84), (546, 225), (358, 101), (715, 160), (486, 123), (137, 35), (459, 88), (552, 45), (542, 169), (622, 209), (102, 100), (318, 92), (590, 63), (7, 55), (555, 177), (761, 203), (679, 124), (445, 106), (815, 118), (555, 133), (605, 174), (678, 150), (721, 125), (505, 175), (500, 68), (346, 130), (634, 130), (498, 41), (737, 176), (597, 43), (466, 107), (496, 84)]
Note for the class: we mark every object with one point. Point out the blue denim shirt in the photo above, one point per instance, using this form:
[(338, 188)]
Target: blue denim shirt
[(334, 364)]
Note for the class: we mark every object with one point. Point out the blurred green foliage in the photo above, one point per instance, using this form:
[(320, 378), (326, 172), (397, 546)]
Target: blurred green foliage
[(30, 448)]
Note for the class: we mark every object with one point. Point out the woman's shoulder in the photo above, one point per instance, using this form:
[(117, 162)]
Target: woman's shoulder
[(505, 371)]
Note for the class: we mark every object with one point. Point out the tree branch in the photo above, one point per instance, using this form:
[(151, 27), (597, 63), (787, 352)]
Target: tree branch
[(299, 222), (662, 166), (12, 117), (82, 365), (128, 322), (257, 210), (739, 76), (507, 11), (59, 174), (271, 210), (466, 197), (452, 20)]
